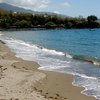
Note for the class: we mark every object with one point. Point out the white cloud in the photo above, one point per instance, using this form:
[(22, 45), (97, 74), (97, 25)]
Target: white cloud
[(30, 4), (57, 12), (65, 4)]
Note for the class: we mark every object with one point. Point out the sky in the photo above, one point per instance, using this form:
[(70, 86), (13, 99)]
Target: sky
[(74, 8)]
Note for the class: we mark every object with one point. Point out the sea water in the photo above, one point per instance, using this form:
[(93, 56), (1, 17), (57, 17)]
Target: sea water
[(75, 52)]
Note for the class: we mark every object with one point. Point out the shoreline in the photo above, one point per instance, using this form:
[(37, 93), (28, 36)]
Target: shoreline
[(21, 80), (58, 86), (36, 28)]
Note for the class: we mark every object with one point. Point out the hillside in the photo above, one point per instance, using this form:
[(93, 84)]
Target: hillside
[(6, 6)]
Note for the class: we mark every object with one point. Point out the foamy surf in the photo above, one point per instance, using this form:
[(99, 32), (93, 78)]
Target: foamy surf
[(91, 85)]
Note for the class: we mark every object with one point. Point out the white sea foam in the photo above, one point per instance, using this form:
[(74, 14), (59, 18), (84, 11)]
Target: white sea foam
[(91, 85), (34, 52), (96, 63)]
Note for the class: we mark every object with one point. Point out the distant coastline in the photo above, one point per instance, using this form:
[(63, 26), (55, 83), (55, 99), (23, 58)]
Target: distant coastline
[(42, 28), (10, 20)]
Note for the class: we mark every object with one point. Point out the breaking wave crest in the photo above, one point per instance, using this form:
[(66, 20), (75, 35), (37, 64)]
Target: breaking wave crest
[(92, 60)]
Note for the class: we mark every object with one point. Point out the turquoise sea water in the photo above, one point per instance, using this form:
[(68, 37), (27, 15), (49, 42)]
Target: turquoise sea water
[(74, 52)]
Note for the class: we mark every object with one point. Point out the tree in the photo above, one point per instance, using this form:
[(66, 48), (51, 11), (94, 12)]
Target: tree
[(3, 23), (49, 25), (22, 23), (92, 21), (92, 18)]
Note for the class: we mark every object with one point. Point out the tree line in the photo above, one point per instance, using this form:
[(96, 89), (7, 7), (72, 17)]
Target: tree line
[(10, 19)]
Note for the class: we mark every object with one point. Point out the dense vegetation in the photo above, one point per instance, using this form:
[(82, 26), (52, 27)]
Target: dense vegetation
[(10, 19)]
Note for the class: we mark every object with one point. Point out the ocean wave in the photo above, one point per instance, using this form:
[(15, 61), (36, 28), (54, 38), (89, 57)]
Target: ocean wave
[(90, 59), (50, 51), (28, 51), (93, 60)]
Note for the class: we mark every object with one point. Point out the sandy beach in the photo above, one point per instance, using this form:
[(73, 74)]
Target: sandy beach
[(21, 80)]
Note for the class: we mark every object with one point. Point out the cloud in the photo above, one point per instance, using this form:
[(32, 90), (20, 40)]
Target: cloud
[(57, 12), (30, 4), (65, 4)]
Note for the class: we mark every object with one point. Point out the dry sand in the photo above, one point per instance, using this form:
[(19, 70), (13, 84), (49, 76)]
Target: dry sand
[(20, 80)]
